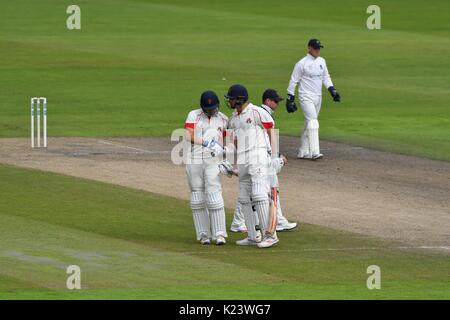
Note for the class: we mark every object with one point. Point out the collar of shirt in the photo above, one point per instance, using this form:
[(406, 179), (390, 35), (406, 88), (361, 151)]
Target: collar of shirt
[(216, 115), (244, 111), (267, 108), (311, 56)]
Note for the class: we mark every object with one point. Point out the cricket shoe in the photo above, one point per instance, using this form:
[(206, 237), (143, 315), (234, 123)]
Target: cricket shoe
[(317, 156), (220, 241), (287, 226), (268, 241), (238, 228), (302, 155), (247, 242), (204, 240)]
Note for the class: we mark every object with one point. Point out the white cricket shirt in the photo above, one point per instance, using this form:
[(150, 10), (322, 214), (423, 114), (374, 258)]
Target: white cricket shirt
[(249, 128), (206, 128), (310, 73)]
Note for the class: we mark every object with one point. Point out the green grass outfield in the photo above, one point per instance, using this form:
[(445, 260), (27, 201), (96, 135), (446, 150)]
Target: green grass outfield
[(133, 244), (138, 66)]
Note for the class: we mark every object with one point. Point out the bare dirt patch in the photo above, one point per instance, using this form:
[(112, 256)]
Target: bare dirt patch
[(353, 188)]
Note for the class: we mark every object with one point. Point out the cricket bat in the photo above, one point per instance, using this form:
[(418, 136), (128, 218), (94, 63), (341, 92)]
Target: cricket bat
[(272, 227)]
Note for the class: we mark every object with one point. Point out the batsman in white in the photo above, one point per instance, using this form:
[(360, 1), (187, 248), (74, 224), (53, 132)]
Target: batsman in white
[(205, 130), (270, 100), (310, 72), (249, 124)]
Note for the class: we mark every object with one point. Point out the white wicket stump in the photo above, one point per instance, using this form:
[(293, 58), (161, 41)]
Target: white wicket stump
[(36, 102)]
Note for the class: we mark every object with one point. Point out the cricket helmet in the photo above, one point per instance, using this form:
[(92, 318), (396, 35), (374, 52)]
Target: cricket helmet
[(209, 101)]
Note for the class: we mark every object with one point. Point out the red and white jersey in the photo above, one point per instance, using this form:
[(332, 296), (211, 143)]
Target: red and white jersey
[(206, 128), (249, 127)]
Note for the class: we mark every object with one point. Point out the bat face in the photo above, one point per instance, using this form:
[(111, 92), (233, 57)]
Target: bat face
[(273, 211)]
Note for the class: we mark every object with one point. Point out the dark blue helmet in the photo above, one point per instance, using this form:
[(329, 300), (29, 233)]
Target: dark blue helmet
[(237, 92), (209, 101)]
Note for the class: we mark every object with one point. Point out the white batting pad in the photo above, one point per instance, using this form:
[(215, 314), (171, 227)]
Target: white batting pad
[(250, 220), (262, 209), (200, 214)]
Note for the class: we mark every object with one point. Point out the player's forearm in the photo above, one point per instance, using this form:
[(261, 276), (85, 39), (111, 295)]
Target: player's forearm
[(190, 137), (292, 85), (273, 141), (295, 79), (327, 81)]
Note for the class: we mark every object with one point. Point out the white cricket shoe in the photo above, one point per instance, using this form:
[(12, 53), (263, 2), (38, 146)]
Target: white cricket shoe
[(302, 155), (204, 240), (238, 228), (286, 226), (317, 156), (247, 242), (268, 241), (220, 240)]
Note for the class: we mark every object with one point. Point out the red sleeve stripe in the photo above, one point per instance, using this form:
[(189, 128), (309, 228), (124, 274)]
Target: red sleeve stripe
[(189, 125), (267, 125)]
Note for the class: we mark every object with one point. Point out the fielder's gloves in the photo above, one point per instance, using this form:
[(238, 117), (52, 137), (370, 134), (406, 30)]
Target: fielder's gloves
[(334, 94), (290, 104)]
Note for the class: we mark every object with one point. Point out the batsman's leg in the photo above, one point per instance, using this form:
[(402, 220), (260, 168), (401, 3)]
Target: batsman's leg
[(261, 202), (251, 220), (198, 202), (245, 189), (216, 210), (215, 204), (200, 215), (260, 198)]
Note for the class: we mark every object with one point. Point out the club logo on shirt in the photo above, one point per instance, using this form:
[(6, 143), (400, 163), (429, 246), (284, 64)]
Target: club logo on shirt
[(249, 120), (321, 66)]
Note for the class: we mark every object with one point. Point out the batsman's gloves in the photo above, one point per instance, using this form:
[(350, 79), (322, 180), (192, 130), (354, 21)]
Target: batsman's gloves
[(278, 163), (215, 147), (334, 94), (226, 168), (290, 104)]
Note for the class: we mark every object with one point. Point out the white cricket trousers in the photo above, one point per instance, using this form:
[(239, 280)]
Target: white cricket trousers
[(309, 144), (254, 189), (206, 200)]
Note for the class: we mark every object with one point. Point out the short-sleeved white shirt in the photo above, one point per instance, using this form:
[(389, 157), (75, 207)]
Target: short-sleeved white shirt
[(249, 128), (207, 128)]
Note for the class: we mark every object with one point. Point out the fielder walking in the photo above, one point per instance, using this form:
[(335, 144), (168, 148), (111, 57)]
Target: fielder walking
[(310, 73), (205, 130)]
